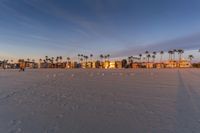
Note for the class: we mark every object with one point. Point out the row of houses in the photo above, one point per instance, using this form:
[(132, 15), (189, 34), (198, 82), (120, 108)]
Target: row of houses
[(118, 64), (168, 64), (103, 64)]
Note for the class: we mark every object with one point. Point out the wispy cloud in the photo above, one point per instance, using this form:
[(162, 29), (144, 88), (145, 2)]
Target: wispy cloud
[(186, 42), (90, 29)]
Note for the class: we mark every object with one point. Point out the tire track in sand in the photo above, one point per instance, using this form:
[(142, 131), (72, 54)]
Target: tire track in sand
[(187, 111)]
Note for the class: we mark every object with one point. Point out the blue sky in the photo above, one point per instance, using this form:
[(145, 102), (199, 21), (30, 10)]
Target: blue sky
[(35, 28)]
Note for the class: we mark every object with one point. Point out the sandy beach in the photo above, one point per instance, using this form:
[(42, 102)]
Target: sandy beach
[(100, 101)]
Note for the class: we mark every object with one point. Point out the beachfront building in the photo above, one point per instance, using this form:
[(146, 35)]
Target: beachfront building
[(60, 65), (148, 65), (98, 64), (118, 64), (8, 65), (86, 65), (159, 65), (90, 64), (171, 64), (196, 65), (70, 65), (4, 64), (178, 64), (136, 65), (112, 65), (31, 65), (184, 64), (45, 65), (106, 64)]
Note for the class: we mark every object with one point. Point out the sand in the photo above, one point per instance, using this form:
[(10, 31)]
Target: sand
[(100, 101)]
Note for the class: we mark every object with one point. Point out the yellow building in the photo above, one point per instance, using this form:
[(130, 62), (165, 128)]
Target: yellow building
[(90, 65), (118, 64), (106, 64), (159, 65), (149, 65), (68, 65), (171, 64), (112, 65), (184, 64), (178, 64)]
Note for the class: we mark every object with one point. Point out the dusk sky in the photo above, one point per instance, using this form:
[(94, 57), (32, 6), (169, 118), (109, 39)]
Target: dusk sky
[(35, 28)]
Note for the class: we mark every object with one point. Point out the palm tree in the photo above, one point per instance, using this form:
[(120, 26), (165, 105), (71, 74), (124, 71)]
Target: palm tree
[(79, 57), (101, 57), (86, 58), (140, 55), (46, 58), (91, 55), (180, 52), (108, 56), (60, 58), (68, 59), (174, 52), (28, 60), (144, 58), (148, 57), (57, 59), (136, 58), (130, 59), (161, 55), (146, 52), (170, 52), (153, 57), (190, 57), (52, 59), (105, 57), (40, 60)]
